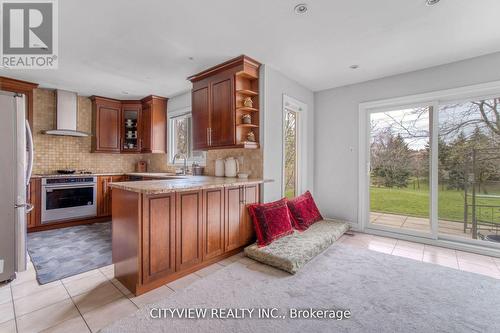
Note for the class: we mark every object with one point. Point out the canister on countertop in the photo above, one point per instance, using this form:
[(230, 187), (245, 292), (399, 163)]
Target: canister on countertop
[(197, 169), (142, 166)]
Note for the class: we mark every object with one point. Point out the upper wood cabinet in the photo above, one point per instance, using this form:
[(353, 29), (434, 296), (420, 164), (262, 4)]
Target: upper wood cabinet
[(201, 118), (222, 97), (106, 120), (154, 124), (129, 126), (21, 87)]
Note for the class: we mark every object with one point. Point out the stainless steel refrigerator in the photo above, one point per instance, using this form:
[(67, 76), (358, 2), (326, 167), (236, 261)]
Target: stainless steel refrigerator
[(16, 163)]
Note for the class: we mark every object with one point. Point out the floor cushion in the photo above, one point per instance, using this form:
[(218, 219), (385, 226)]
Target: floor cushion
[(291, 252)]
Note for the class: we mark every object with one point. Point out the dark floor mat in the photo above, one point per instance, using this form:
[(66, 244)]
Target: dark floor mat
[(59, 253)]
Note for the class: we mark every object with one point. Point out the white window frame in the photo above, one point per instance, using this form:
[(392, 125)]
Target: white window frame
[(292, 104), (434, 99), (185, 112)]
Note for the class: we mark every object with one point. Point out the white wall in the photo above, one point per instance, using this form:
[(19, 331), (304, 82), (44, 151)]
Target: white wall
[(336, 124), (274, 85), (179, 102)]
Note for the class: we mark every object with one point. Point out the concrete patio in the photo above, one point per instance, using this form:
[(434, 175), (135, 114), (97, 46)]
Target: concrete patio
[(420, 224)]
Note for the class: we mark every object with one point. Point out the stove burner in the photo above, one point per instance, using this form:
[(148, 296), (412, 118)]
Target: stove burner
[(66, 171), (73, 171)]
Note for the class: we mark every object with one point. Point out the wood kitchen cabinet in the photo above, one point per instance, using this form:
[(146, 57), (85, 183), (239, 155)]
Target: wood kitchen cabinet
[(158, 237), (34, 197), (218, 105), (104, 194), (238, 225), (189, 224), (213, 222), (106, 125), (154, 124), (200, 117), (132, 126)]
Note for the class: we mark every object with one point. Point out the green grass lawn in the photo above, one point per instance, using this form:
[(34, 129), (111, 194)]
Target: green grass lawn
[(414, 202)]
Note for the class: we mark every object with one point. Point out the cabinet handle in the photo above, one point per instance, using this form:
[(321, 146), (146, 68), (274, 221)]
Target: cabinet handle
[(243, 199), (208, 136)]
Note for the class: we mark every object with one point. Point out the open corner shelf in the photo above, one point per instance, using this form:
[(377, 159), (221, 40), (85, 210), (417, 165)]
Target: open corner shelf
[(247, 109), (247, 125), (246, 75), (247, 92)]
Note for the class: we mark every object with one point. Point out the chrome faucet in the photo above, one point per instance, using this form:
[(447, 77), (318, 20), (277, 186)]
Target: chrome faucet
[(181, 155)]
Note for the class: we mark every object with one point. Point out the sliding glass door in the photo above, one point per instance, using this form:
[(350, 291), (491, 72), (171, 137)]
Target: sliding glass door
[(469, 170), (433, 170), (399, 174)]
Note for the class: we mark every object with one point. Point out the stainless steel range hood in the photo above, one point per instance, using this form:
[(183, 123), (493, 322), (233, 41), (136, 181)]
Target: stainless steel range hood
[(67, 115)]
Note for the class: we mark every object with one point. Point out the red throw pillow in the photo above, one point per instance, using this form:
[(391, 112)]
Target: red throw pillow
[(271, 221), (304, 211)]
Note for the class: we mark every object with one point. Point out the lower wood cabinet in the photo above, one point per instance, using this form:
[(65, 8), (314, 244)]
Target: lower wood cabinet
[(239, 227), (247, 231), (158, 239), (189, 224), (213, 222), (34, 197), (104, 194)]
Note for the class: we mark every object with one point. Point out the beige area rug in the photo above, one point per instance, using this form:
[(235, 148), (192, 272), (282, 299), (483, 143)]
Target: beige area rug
[(384, 293)]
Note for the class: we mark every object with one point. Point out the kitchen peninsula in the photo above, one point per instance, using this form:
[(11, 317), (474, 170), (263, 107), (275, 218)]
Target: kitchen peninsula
[(165, 229)]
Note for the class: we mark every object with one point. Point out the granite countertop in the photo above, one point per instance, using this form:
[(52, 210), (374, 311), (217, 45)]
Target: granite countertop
[(186, 183), (93, 174)]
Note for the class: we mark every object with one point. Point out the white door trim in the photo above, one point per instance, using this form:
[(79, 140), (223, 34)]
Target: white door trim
[(292, 104)]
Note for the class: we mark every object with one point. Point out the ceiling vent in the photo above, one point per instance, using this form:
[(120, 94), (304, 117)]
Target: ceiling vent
[(431, 2)]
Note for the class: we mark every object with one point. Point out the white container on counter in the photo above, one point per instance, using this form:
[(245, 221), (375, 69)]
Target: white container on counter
[(232, 167), (219, 167)]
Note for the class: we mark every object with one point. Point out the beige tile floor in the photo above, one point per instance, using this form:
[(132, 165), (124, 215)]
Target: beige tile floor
[(92, 300), (460, 260), (82, 303)]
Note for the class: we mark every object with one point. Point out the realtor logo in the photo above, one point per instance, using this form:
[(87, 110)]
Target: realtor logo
[(29, 34)]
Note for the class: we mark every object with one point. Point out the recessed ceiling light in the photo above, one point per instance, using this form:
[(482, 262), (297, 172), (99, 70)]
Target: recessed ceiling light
[(191, 58), (354, 66), (301, 8), (431, 2)]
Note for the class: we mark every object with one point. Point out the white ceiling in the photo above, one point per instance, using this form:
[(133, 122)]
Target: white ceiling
[(143, 46)]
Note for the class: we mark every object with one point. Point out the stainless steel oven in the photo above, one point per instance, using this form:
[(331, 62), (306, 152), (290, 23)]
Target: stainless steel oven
[(67, 198)]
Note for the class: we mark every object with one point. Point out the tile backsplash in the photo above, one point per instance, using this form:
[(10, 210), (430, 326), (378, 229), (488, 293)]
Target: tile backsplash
[(250, 160), (65, 152), (62, 152)]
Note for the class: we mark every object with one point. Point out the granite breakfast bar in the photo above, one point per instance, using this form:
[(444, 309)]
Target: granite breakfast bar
[(165, 229)]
